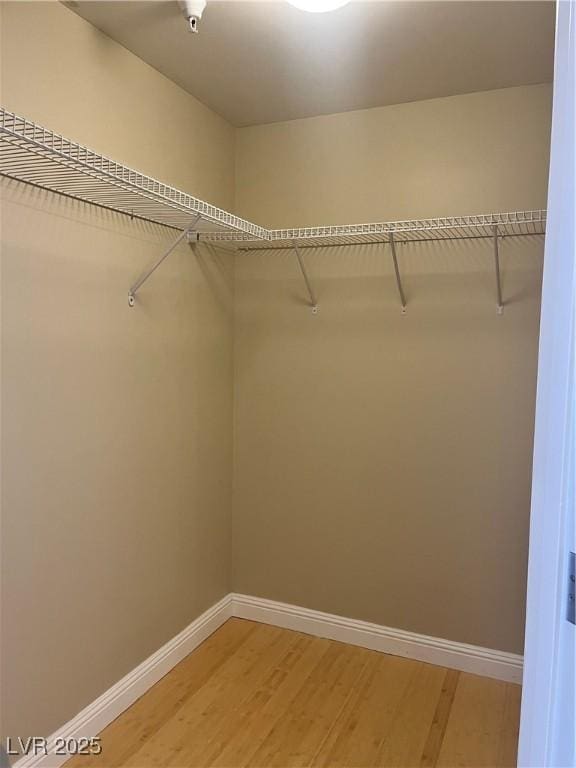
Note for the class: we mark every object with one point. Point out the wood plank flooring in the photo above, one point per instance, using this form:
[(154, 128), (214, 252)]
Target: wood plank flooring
[(259, 696)]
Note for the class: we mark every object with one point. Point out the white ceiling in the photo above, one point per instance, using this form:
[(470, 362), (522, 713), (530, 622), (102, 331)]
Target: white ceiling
[(260, 62)]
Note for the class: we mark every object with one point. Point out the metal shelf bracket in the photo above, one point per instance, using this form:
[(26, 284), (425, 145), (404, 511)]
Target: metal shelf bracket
[(311, 294), (397, 273), (186, 234), (500, 303)]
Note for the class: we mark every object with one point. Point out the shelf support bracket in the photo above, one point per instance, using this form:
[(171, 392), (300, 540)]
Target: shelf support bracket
[(500, 303), (311, 294), (185, 234), (397, 273)]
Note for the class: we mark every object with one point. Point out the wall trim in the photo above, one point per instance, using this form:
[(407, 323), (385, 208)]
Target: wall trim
[(433, 650), (97, 715)]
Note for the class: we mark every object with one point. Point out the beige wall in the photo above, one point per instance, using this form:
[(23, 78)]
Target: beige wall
[(476, 153), (382, 462), (65, 74), (116, 441)]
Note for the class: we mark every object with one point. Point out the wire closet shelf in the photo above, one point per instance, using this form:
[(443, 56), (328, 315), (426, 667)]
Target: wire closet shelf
[(517, 223), (35, 155)]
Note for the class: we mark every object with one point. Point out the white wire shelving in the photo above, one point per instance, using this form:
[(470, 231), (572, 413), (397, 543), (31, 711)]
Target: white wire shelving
[(517, 223), (35, 155), (493, 226)]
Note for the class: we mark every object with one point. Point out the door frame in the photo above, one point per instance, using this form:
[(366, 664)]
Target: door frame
[(547, 715)]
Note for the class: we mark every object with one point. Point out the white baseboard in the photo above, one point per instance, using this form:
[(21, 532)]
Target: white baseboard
[(433, 650), (96, 716)]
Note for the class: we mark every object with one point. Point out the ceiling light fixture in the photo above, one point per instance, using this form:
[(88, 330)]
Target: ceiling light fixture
[(318, 6), (192, 10)]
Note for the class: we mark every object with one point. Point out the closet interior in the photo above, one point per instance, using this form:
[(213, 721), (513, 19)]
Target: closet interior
[(268, 384)]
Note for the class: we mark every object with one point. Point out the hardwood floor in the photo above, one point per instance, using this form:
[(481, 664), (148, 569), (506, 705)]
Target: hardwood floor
[(255, 695)]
